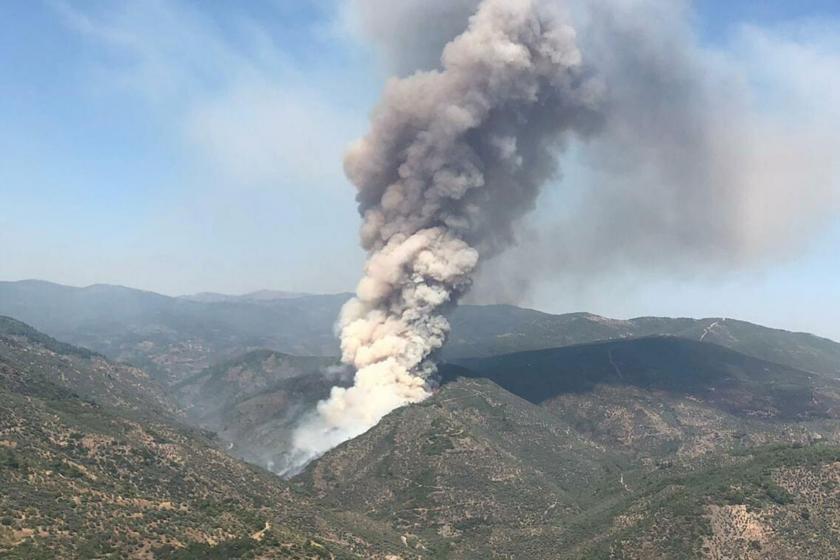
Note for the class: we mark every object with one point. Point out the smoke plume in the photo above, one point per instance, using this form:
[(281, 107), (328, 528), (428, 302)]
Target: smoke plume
[(709, 160), (678, 168), (453, 157)]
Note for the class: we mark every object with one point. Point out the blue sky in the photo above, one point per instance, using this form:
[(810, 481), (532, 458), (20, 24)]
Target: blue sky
[(185, 146)]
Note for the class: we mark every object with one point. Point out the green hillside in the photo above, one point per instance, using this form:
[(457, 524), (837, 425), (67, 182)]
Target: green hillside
[(475, 472), (95, 477), (34, 356)]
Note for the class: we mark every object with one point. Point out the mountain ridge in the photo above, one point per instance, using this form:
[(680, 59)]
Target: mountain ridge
[(174, 339)]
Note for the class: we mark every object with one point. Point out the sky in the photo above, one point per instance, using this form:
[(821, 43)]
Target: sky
[(182, 146)]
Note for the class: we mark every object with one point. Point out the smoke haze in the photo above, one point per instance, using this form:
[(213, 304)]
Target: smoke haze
[(694, 171), (454, 156), (684, 169)]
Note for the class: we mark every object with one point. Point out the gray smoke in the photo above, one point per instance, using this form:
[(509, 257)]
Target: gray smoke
[(683, 171), (453, 157), (692, 171), (410, 34)]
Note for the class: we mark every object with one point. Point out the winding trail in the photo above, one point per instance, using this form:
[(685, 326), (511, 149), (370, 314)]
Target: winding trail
[(708, 330)]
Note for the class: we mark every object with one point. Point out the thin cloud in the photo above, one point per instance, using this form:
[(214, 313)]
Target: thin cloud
[(235, 97)]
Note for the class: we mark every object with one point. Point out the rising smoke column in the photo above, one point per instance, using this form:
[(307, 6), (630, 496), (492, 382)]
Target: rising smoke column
[(453, 157)]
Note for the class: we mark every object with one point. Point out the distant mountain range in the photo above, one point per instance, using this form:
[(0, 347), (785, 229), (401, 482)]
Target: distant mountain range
[(175, 338), (258, 296), (172, 338)]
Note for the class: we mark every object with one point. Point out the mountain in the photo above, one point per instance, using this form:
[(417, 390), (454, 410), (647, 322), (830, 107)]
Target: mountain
[(175, 338), (500, 329), (171, 338), (40, 358), (669, 397), (640, 395), (658, 447), (471, 464), (254, 401), (258, 296), (91, 479), (476, 472), (573, 452)]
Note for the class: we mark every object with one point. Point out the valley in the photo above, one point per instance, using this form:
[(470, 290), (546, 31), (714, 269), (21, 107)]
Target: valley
[(592, 438)]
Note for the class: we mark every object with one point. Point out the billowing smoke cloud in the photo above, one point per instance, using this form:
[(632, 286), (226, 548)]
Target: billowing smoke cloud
[(454, 156), (681, 162), (708, 160)]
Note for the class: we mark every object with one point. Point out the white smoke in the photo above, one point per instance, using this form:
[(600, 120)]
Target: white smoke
[(453, 157)]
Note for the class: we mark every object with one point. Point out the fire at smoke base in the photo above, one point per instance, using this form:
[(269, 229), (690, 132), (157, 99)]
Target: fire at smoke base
[(453, 157)]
